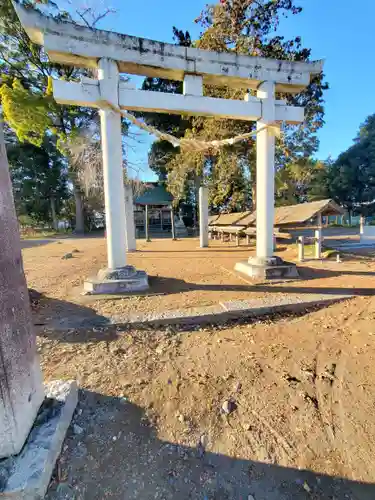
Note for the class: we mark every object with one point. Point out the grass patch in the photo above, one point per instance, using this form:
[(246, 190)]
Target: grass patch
[(41, 234), (329, 252)]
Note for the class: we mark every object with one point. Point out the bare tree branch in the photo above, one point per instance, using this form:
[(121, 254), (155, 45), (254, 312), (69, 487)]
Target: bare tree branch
[(99, 17)]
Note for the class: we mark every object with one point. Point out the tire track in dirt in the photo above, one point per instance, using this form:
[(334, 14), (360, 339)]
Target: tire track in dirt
[(324, 384), (338, 397), (264, 436)]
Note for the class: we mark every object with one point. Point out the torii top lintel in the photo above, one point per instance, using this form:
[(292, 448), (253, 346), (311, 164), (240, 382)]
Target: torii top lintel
[(71, 44)]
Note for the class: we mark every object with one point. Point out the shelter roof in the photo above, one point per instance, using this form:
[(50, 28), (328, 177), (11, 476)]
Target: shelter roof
[(154, 195), (230, 219), (299, 214), (212, 219)]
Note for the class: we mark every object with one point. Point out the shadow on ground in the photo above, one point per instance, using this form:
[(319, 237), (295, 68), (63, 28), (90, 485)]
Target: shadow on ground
[(169, 285), (230, 249), (51, 312), (61, 314), (115, 453)]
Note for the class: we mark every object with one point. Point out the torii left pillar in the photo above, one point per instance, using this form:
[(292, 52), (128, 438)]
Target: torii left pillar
[(118, 277)]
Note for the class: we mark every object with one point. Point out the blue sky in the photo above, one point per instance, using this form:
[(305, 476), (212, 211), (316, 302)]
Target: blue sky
[(340, 31)]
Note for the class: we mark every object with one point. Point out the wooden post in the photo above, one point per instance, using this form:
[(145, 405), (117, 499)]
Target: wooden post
[(361, 224), (237, 239), (146, 224), (248, 239), (131, 245), (203, 217), (173, 227), (318, 244), (301, 248), (318, 238)]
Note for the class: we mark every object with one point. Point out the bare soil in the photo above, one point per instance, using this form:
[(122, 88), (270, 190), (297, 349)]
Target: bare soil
[(181, 276), (278, 409)]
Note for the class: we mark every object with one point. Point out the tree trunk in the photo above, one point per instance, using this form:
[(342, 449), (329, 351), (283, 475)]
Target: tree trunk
[(254, 196), (80, 219), (55, 223), (253, 179), (197, 185)]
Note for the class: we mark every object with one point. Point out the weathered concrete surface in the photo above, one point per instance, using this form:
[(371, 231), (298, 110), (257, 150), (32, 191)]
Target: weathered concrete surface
[(126, 279), (76, 45), (88, 93), (283, 270), (113, 174), (27, 476), (21, 389), (273, 303), (236, 309), (265, 171)]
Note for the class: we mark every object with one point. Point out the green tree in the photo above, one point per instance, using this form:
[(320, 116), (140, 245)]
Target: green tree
[(39, 180), (26, 94), (350, 179), (300, 181), (245, 27)]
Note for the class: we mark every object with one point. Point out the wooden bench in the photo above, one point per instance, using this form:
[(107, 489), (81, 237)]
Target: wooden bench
[(232, 232)]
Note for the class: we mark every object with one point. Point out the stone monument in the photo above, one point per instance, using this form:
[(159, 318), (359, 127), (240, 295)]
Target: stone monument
[(28, 451)]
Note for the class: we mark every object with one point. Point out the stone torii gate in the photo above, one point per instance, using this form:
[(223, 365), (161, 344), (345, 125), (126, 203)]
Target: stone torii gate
[(113, 53)]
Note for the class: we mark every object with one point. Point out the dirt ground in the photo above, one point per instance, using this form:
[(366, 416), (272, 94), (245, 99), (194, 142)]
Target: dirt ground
[(277, 409), (181, 276)]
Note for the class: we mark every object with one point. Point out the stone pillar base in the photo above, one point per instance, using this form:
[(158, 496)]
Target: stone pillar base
[(269, 268), (122, 280)]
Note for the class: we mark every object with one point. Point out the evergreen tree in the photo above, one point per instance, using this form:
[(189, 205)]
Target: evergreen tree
[(350, 180), (39, 180), (243, 27), (26, 95)]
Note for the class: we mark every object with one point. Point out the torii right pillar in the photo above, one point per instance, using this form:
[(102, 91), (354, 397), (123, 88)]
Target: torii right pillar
[(265, 265)]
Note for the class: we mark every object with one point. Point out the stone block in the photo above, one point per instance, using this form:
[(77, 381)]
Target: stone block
[(19, 405), (113, 281), (26, 476), (274, 268)]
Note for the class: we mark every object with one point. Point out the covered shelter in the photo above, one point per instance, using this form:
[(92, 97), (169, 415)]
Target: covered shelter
[(302, 214), (288, 217), (157, 202), (227, 225)]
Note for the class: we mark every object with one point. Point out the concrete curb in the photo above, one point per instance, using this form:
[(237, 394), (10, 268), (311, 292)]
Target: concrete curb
[(28, 474), (231, 310), (224, 311)]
